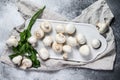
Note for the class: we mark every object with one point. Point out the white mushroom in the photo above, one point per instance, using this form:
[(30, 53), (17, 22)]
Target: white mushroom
[(60, 28), (81, 39), (43, 53), (57, 47), (32, 40), (70, 28), (102, 27), (17, 60), (47, 41), (65, 56), (26, 63), (39, 33), (67, 49), (72, 41), (46, 26), (12, 41), (96, 43), (60, 38), (84, 50)]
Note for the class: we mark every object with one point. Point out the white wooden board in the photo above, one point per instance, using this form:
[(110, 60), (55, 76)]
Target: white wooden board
[(88, 30)]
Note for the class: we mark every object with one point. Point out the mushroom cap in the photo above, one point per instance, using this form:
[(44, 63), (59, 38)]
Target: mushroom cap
[(39, 34), (60, 38), (81, 39), (43, 53), (57, 47), (72, 41), (96, 43), (46, 26), (70, 28), (32, 40), (60, 28), (102, 27), (84, 50), (67, 49), (12, 41), (17, 59), (65, 56), (47, 41), (26, 63)]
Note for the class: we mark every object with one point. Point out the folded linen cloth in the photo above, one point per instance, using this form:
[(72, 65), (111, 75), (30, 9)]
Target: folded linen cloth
[(97, 12)]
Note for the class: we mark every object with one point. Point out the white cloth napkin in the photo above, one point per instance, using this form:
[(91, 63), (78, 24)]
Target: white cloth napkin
[(97, 12)]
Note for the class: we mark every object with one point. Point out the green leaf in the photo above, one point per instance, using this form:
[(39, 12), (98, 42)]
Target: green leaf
[(35, 16), (23, 48), (15, 49), (23, 36), (36, 64), (27, 46)]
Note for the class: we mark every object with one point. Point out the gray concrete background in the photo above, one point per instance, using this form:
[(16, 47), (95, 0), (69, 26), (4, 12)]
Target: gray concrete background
[(70, 9)]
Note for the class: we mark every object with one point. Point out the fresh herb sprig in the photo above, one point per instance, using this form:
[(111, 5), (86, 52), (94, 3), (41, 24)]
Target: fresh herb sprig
[(24, 48)]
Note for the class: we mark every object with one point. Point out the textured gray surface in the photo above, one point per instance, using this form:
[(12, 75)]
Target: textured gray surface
[(70, 73)]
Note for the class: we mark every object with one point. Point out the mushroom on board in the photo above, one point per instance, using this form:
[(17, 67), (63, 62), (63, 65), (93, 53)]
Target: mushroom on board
[(43, 53), (70, 28), (32, 40), (60, 38), (46, 26), (47, 41), (57, 47), (60, 28)]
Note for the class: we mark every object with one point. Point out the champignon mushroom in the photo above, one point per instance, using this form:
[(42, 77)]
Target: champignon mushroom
[(70, 28), (65, 56), (60, 28), (67, 49), (96, 43), (102, 27), (46, 26), (12, 41), (26, 63), (84, 50), (72, 41), (32, 40), (43, 53), (81, 39), (39, 33), (60, 38), (57, 47), (47, 41), (17, 60)]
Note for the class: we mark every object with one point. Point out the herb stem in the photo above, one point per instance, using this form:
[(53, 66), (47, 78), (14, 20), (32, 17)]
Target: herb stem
[(33, 19)]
